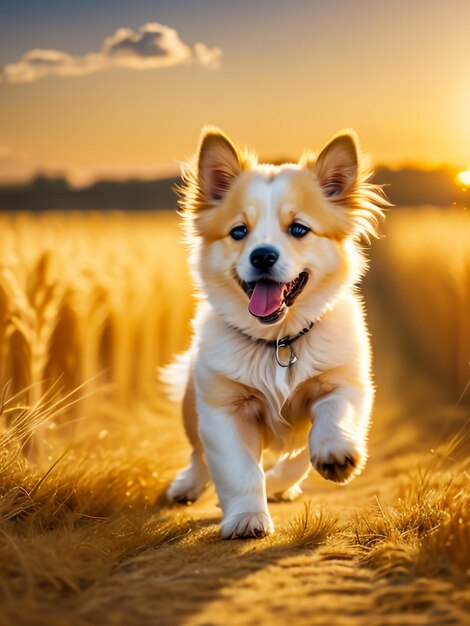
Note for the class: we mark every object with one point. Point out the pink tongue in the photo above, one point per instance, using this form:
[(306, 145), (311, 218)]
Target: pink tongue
[(266, 298)]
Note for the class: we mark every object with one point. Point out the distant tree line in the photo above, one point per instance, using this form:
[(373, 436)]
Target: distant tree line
[(404, 187)]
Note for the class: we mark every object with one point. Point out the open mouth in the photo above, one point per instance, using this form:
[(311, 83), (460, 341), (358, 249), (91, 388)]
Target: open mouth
[(269, 299)]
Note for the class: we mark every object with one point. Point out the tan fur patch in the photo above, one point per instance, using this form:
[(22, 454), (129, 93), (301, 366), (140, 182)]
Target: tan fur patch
[(304, 196), (245, 404), (332, 221), (215, 223), (221, 392), (190, 413), (310, 390)]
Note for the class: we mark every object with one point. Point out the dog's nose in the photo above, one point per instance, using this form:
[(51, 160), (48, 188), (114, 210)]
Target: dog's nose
[(263, 258)]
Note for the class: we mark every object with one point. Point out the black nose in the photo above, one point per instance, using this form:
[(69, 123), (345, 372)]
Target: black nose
[(263, 258)]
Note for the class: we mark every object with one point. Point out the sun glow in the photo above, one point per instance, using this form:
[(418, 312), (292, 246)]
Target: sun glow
[(463, 178)]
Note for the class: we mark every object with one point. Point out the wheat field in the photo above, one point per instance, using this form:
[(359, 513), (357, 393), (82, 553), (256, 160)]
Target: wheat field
[(429, 261), (90, 306)]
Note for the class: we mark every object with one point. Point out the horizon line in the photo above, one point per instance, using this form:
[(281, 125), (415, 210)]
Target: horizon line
[(87, 177)]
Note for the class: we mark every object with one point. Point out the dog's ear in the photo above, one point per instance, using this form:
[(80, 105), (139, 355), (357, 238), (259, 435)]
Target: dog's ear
[(337, 166), (344, 179), (218, 164)]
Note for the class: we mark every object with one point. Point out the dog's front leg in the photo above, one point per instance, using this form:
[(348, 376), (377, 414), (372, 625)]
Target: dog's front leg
[(338, 439), (233, 449)]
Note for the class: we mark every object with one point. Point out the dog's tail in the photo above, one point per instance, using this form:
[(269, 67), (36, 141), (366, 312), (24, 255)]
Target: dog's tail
[(174, 377)]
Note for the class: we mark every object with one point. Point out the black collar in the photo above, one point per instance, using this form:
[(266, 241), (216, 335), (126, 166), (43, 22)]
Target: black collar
[(287, 340), (279, 344)]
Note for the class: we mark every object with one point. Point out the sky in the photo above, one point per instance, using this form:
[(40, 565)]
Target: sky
[(113, 89)]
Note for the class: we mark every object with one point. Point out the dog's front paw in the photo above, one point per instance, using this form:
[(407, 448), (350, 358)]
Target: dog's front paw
[(247, 526), (187, 486), (337, 457)]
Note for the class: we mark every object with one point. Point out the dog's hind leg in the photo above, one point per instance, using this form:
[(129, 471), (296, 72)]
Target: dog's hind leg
[(284, 478), (191, 481)]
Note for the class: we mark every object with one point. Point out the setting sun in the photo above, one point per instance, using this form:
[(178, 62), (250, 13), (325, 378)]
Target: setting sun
[(463, 178)]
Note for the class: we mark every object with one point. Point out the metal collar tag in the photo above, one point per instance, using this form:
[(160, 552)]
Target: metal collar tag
[(285, 355)]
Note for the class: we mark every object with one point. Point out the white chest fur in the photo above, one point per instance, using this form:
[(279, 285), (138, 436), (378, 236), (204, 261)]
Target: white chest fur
[(339, 340), (223, 350)]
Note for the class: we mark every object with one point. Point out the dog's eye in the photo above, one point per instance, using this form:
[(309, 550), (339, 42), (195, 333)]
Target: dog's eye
[(298, 230), (332, 190), (239, 232)]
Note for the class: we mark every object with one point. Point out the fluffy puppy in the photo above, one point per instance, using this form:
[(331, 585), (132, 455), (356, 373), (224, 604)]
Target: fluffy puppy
[(280, 356)]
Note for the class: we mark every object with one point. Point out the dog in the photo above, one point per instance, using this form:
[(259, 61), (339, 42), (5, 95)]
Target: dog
[(280, 356)]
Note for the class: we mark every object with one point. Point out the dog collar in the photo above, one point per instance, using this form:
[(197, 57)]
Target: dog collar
[(284, 352)]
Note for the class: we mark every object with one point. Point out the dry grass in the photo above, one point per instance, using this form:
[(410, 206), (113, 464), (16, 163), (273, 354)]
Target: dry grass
[(85, 537)]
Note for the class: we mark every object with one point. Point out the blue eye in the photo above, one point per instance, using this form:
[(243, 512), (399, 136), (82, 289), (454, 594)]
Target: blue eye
[(239, 232), (298, 230)]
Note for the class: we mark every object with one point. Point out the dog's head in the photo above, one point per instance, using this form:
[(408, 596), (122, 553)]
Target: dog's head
[(275, 244)]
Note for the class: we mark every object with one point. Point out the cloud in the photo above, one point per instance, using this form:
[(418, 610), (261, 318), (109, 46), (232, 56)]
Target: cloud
[(153, 46)]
